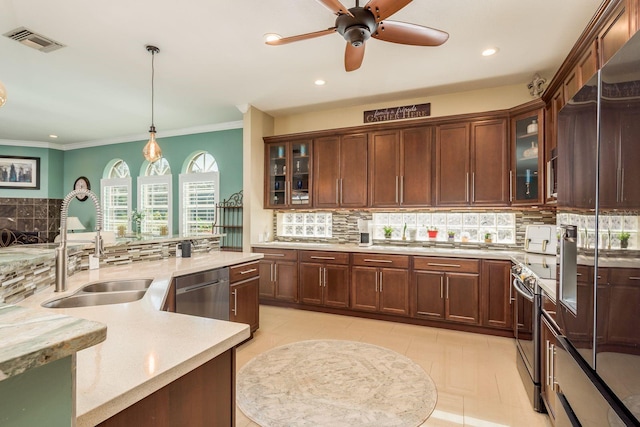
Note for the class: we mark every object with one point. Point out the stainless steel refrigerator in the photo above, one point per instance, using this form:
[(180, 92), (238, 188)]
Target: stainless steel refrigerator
[(598, 299)]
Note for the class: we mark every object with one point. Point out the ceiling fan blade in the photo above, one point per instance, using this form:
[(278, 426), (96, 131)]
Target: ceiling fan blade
[(412, 34), (299, 37), (335, 7), (353, 56), (382, 9)]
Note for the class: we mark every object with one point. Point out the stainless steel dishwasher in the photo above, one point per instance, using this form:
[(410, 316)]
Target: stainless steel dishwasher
[(204, 294)]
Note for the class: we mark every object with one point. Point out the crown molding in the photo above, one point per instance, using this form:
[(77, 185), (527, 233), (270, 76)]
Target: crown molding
[(34, 144)]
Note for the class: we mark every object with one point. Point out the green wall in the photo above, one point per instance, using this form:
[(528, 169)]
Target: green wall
[(62, 168), (51, 172), (225, 146)]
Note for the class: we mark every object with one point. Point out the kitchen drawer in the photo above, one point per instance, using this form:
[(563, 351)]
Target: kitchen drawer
[(623, 276), (278, 254), (324, 257), (245, 271), (379, 260), (446, 264)]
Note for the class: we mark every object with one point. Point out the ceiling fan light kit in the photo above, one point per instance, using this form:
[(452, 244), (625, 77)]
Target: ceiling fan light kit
[(152, 151), (357, 24)]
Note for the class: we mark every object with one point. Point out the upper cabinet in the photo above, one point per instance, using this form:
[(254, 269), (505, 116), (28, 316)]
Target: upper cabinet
[(615, 32), (340, 165), (400, 167), (527, 150), (472, 163), (288, 170)]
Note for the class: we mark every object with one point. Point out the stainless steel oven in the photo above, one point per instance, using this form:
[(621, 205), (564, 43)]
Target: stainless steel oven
[(527, 311)]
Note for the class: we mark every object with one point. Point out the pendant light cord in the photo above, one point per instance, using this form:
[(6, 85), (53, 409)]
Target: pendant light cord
[(153, 72)]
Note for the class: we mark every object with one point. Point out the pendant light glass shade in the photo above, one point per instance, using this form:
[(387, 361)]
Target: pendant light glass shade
[(3, 94), (152, 151)]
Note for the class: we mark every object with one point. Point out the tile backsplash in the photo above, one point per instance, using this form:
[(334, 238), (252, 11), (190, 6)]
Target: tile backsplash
[(610, 229)]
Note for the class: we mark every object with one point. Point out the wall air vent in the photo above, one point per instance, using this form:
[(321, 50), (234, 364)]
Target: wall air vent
[(33, 40)]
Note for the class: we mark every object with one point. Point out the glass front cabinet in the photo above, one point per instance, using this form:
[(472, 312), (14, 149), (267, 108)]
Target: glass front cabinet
[(526, 177), (289, 165)]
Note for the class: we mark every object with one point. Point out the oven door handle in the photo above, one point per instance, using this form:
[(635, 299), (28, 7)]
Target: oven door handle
[(522, 289)]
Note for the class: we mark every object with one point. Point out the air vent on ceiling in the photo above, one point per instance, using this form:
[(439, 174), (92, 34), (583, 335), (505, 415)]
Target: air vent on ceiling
[(34, 40)]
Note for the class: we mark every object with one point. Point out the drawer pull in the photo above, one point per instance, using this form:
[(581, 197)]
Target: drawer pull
[(274, 255), (249, 271), (323, 257), (378, 260), (634, 278), (435, 264)]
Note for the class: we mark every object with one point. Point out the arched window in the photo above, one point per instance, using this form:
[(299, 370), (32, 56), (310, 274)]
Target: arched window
[(154, 197), (199, 193), (115, 192)]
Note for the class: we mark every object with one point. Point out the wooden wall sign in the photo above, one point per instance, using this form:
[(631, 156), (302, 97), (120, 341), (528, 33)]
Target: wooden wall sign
[(398, 113)]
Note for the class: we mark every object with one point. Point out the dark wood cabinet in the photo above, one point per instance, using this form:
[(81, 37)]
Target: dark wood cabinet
[(489, 163), (400, 167), (623, 309), (324, 278), (279, 274), (452, 164), (380, 283), (614, 33), (340, 165), (446, 289), (548, 335), (472, 163), (288, 172), (496, 295), (526, 179), (244, 306)]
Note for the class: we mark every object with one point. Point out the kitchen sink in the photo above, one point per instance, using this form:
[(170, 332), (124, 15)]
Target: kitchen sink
[(118, 285), (94, 298)]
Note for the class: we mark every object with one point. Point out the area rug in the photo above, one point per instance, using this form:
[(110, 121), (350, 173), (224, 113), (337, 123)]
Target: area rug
[(334, 383)]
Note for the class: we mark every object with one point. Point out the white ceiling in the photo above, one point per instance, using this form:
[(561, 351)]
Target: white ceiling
[(212, 58)]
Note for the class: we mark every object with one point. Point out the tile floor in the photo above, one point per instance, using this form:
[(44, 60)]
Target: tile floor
[(476, 377)]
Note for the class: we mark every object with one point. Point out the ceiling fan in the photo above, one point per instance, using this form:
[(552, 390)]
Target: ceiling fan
[(357, 24)]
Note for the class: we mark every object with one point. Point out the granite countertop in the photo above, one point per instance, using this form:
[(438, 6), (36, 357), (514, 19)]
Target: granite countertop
[(146, 348), (31, 338)]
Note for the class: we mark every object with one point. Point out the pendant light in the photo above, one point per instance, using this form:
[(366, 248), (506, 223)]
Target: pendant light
[(3, 94), (152, 151)]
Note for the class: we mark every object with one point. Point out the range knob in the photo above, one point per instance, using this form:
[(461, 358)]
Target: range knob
[(516, 269)]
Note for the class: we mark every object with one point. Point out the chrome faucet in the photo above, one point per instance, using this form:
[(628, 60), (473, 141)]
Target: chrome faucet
[(61, 250)]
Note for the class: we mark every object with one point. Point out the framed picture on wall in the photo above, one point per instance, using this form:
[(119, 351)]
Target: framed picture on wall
[(20, 172)]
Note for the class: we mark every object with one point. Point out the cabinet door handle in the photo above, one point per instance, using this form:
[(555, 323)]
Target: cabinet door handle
[(436, 264), (340, 190), (397, 189), (634, 278), (381, 282), (386, 261), (235, 302), (320, 276), (622, 185), (401, 189), (618, 179), (511, 186), (511, 298), (323, 257), (552, 358), (325, 277), (466, 188), (274, 255), (251, 270), (275, 270), (376, 282), (441, 287), (473, 187), (447, 287), (271, 273)]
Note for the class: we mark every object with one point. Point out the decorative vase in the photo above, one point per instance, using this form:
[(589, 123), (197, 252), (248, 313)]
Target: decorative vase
[(452, 238), (432, 233), (624, 244)]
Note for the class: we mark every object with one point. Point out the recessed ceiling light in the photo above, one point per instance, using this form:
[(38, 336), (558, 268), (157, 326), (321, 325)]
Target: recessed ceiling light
[(270, 37), (320, 82), (53, 136), (490, 51)]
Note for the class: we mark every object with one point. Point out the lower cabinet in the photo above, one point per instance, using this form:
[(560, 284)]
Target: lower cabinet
[(279, 274), (548, 334), (380, 289), (446, 289), (496, 300), (324, 278), (244, 306)]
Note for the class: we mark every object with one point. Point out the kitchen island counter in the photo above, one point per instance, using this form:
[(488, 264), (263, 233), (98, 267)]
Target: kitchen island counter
[(146, 348)]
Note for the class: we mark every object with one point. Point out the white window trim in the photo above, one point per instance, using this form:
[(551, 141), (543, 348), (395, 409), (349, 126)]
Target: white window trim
[(113, 182), (157, 179), (185, 178)]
